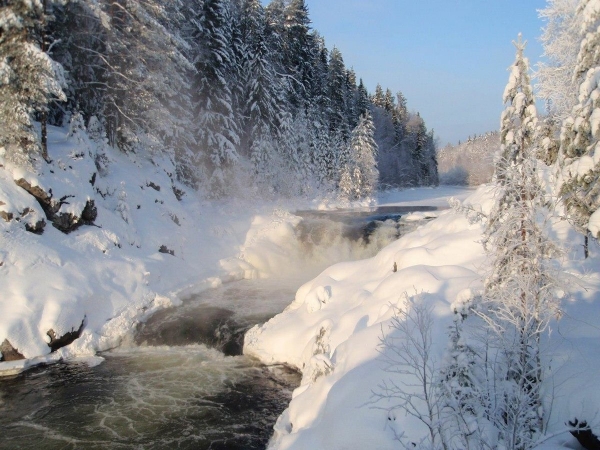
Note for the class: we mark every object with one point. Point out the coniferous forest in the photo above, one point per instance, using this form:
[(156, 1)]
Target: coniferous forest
[(235, 94)]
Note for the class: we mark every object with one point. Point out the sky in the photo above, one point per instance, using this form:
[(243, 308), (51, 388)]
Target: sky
[(448, 57)]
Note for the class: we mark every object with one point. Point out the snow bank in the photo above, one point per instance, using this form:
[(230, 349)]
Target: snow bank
[(144, 250), (332, 331)]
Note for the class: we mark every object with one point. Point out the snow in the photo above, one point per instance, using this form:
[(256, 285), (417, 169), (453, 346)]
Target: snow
[(110, 275), (333, 329)]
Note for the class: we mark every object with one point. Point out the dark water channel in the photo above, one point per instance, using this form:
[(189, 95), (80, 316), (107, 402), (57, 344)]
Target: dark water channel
[(181, 383)]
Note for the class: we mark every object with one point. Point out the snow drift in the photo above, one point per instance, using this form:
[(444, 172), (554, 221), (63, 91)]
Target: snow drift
[(333, 329)]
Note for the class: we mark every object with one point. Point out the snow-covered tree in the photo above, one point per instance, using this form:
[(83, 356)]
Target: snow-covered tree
[(261, 103), (560, 39), (362, 98), (519, 118), (359, 175), (80, 48), (420, 144), (217, 128), (298, 51), (579, 158), (519, 297), (378, 98), (471, 162), (336, 92), (320, 70), (29, 78), (144, 71)]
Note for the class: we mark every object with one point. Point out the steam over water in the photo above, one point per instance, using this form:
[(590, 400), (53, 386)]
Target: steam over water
[(182, 382)]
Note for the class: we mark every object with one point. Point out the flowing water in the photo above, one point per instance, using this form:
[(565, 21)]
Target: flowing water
[(182, 381)]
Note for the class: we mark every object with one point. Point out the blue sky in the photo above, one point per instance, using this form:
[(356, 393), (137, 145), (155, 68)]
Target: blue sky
[(448, 57)]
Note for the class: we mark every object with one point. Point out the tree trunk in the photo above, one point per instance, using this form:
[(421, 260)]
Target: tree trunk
[(44, 114)]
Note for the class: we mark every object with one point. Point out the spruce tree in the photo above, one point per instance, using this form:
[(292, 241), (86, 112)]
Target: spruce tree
[(362, 98), (519, 119), (359, 175), (378, 98), (217, 129), (400, 117), (579, 157), (336, 84), (519, 295), (261, 106), (298, 51)]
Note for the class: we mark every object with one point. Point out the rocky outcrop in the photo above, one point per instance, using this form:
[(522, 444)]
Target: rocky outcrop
[(32, 226), (154, 186), (9, 353), (167, 250), (7, 216), (65, 222)]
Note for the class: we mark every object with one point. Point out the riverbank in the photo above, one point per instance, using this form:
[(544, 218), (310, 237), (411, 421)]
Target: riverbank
[(332, 333), (97, 241)]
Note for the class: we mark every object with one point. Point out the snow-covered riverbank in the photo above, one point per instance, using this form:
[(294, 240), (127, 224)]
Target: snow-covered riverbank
[(149, 242), (333, 329)]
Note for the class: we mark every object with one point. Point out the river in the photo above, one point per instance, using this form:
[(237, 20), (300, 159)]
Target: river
[(181, 381)]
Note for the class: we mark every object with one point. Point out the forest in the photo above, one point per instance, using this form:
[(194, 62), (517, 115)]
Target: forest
[(240, 97)]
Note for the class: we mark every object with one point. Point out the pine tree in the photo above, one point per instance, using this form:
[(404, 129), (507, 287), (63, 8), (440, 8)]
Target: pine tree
[(29, 79), (579, 148), (422, 150), (350, 91), (389, 103)]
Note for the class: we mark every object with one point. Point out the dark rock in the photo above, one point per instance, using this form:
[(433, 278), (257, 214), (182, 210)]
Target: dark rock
[(153, 186), (7, 216), (57, 342), (165, 249), (178, 192), (89, 213), (9, 353), (36, 228), (93, 179), (65, 222)]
